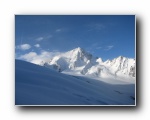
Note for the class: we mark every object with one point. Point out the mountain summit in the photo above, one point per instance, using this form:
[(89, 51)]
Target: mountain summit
[(78, 61)]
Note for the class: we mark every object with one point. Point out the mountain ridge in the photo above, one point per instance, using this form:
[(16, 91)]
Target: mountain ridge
[(81, 62)]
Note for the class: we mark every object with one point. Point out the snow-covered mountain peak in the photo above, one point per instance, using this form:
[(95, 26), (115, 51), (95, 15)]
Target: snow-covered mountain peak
[(81, 62), (79, 52), (99, 60), (78, 49), (120, 57), (78, 55)]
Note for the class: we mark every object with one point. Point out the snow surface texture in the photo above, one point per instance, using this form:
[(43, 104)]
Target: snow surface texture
[(78, 61), (38, 85)]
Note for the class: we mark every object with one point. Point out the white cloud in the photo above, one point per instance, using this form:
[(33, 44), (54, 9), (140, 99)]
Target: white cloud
[(58, 30), (23, 47), (109, 47), (29, 56), (35, 58), (44, 38), (37, 45), (39, 38)]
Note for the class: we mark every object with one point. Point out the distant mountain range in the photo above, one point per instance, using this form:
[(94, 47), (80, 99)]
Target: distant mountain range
[(78, 61)]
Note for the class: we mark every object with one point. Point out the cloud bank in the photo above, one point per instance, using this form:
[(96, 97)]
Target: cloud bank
[(35, 58)]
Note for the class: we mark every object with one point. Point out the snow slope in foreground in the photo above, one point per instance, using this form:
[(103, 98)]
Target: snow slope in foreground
[(37, 85)]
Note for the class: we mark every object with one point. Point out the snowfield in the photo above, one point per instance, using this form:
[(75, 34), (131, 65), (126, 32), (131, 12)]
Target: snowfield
[(38, 85)]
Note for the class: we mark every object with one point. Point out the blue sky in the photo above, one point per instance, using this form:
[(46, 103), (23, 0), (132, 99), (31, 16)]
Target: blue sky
[(105, 36)]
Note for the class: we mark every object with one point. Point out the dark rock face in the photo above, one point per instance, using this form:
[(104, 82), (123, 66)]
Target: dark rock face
[(132, 71)]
